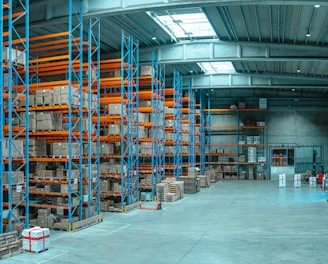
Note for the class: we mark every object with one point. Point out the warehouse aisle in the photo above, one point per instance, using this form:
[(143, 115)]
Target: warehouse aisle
[(232, 222)]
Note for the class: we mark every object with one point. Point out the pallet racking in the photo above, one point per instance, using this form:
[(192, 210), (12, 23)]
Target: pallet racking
[(245, 147), (122, 92), (63, 114), (152, 159), (14, 131)]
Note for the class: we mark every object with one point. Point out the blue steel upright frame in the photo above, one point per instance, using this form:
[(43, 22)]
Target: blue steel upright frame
[(191, 126), (75, 78), (1, 119), (13, 66), (129, 113), (209, 132), (177, 124), (160, 104), (93, 114), (202, 133)]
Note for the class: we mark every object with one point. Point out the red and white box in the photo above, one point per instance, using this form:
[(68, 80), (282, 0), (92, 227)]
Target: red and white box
[(36, 239), (282, 180), (313, 182), (297, 180)]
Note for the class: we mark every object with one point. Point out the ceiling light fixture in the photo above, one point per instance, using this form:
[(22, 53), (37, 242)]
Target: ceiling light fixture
[(308, 34), (298, 70), (212, 90), (153, 38), (316, 6), (293, 89)]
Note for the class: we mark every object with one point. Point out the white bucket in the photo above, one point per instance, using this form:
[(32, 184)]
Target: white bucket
[(297, 180), (282, 180)]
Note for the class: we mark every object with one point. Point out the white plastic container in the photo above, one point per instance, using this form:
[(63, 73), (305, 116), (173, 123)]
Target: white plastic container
[(282, 180), (297, 180), (313, 182)]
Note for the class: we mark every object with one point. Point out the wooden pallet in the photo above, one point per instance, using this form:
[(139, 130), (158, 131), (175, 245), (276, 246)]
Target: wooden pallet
[(87, 222), (9, 244)]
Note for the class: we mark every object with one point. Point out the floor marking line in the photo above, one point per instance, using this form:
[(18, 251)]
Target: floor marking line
[(116, 230), (56, 256)]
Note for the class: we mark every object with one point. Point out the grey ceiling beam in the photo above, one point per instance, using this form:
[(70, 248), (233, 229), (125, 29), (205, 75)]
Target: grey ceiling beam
[(217, 81), (215, 50), (101, 7), (54, 10)]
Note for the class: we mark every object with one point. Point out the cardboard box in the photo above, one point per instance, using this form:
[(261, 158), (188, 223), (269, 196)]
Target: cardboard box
[(241, 104)]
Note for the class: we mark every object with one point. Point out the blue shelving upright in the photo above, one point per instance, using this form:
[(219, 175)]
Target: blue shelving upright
[(129, 101), (93, 111), (177, 159), (16, 159), (75, 113), (209, 132), (160, 119), (191, 126), (1, 119), (202, 139)]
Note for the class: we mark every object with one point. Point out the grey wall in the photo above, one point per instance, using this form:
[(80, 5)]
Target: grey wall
[(299, 126)]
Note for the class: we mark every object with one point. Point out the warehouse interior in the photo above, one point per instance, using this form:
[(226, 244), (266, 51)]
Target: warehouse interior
[(163, 130)]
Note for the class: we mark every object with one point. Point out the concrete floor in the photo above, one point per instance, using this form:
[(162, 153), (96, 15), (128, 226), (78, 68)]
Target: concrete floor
[(232, 222)]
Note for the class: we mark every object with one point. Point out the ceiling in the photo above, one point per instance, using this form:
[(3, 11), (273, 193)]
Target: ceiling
[(266, 41)]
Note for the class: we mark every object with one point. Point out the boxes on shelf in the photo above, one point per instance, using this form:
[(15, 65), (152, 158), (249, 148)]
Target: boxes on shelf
[(116, 109), (241, 105), (251, 172), (49, 121), (259, 175), (61, 149), (242, 175), (143, 103), (146, 70), (17, 177)]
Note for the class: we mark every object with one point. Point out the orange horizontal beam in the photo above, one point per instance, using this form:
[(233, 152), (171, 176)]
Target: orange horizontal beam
[(49, 206), (49, 193), (54, 35), (52, 42), (63, 57), (15, 42), (15, 15), (49, 159)]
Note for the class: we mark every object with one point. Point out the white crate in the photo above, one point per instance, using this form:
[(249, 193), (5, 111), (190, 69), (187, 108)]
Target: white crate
[(297, 180), (282, 180), (313, 182)]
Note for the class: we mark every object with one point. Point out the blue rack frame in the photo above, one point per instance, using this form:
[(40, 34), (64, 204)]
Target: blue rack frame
[(129, 113), (160, 103), (1, 119), (209, 132), (191, 126), (93, 114), (15, 77), (75, 78), (177, 124), (202, 138)]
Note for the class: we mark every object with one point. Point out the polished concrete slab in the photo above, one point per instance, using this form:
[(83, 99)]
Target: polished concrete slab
[(231, 222)]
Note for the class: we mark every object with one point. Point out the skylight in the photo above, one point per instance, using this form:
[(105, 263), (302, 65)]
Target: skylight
[(185, 23), (217, 67)]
